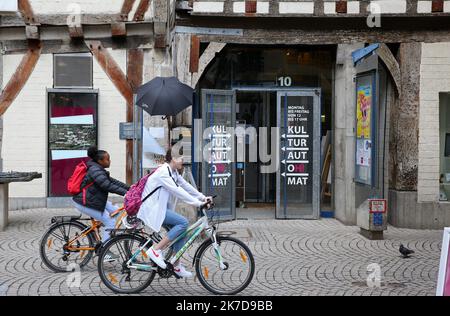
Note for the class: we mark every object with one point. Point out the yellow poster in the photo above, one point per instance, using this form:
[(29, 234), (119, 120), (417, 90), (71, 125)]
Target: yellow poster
[(363, 108)]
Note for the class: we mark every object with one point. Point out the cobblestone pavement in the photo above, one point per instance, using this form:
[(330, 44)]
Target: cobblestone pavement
[(292, 257)]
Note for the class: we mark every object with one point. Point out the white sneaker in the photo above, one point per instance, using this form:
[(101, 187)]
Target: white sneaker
[(181, 271), (157, 257), (110, 257), (132, 222)]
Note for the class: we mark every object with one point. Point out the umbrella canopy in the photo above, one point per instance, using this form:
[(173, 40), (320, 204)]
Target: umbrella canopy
[(164, 96)]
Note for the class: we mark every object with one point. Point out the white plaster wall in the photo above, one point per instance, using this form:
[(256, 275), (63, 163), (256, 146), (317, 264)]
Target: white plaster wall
[(85, 6), (25, 123), (112, 111), (434, 78), (25, 127)]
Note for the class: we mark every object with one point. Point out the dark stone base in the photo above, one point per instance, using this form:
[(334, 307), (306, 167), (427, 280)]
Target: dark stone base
[(371, 234), (405, 212)]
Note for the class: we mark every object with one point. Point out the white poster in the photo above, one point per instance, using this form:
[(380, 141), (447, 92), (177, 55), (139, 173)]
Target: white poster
[(156, 132), (363, 152)]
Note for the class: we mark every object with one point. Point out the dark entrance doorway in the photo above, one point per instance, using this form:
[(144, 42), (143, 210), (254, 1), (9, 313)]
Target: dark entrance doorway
[(255, 109)]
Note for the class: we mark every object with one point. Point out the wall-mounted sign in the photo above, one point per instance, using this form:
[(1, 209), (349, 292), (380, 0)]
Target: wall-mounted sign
[(443, 287), (377, 206), (126, 131), (284, 81)]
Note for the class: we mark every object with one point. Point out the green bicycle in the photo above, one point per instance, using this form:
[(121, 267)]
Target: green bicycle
[(224, 265)]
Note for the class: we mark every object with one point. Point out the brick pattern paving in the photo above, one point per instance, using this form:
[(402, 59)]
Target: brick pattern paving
[(292, 257)]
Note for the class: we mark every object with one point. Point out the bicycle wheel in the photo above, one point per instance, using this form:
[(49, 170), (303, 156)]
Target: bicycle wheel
[(239, 262), (53, 249), (115, 274)]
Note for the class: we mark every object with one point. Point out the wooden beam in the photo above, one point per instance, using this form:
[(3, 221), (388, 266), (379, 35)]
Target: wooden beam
[(160, 32), (61, 19), (135, 62), (27, 12), (32, 32), (195, 54), (120, 81), (126, 9), (76, 31), (62, 46), (21, 75), (141, 9), (111, 68), (118, 29)]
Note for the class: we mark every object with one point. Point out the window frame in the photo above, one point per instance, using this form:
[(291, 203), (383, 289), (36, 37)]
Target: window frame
[(86, 54)]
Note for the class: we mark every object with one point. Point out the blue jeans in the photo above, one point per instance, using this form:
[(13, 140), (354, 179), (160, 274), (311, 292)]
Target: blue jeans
[(177, 225), (103, 217)]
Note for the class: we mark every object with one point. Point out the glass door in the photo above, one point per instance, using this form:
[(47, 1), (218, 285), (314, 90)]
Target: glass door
[(218, 164), (298, 178)]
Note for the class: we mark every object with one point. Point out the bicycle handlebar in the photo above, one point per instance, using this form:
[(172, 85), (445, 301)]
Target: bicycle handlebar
[(208, 205)]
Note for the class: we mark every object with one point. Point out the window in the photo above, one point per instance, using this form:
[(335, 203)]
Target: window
[(444, 133), (8, 6), (72, 70)]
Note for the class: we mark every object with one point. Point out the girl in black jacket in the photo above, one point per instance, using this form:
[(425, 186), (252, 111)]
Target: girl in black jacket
[(98, 184)]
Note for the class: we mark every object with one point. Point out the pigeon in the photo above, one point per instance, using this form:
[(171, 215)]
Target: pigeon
[(405, 251)]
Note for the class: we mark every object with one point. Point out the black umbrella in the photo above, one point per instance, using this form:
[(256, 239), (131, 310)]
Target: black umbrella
[(164, 96)]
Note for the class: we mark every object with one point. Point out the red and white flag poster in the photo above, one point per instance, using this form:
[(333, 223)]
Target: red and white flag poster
[(443, 288)]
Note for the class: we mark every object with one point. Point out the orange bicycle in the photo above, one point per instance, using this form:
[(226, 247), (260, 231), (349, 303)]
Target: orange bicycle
[(68, 241)]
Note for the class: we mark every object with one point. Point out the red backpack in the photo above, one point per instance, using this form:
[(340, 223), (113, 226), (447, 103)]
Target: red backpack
[(133, 199), (76, 179)]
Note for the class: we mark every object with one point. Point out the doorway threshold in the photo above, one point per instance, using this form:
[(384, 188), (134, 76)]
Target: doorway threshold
[(254, 211)]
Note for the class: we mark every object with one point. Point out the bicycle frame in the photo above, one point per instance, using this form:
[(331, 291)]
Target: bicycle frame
[(95, 225), (197, 228)]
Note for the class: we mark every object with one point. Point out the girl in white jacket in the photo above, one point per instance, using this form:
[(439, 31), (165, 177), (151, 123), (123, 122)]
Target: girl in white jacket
[(158, 209)]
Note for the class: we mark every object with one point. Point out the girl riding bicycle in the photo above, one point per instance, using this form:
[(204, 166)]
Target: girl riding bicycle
[(94, 202), (158, 209)]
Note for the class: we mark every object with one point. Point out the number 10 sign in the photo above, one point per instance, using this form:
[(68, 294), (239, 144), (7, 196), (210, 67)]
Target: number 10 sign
[(443, 288)]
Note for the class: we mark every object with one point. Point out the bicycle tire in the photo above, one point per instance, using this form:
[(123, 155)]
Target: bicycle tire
[(198, 259), (102, 271), (45, 242)]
